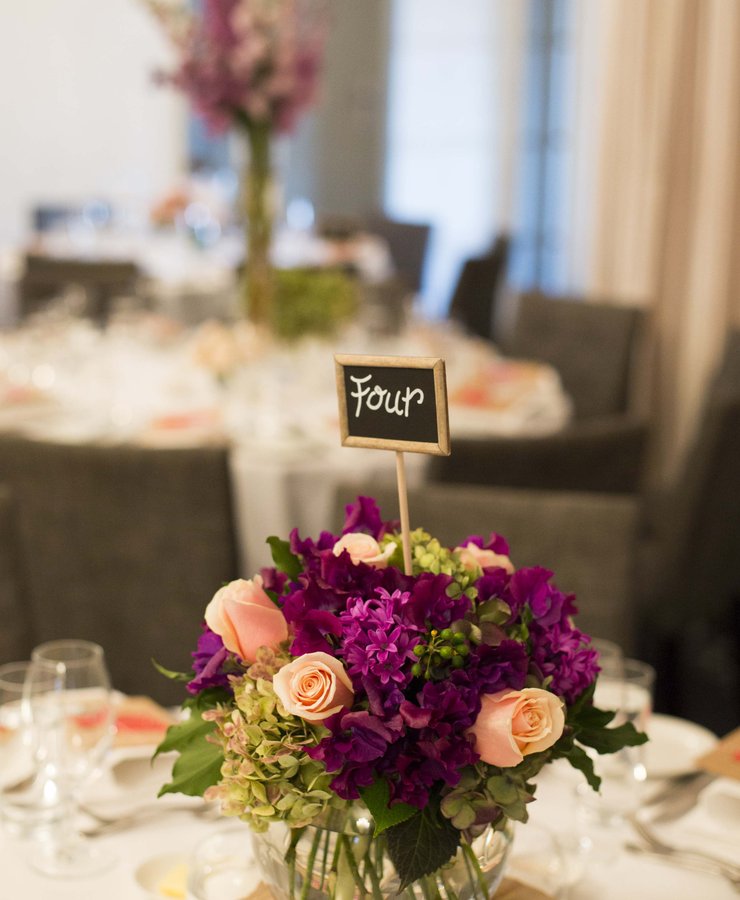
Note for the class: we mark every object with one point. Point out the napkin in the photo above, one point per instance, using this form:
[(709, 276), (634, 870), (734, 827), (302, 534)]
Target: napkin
[(140, 721), (724, 758), (713, 826)]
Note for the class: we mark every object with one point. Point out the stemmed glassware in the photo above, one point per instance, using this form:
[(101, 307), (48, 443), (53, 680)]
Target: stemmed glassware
[(73, 719)]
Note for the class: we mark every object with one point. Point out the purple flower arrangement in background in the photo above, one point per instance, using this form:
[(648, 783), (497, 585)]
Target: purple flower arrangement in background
[(334, 678), (247, 61)]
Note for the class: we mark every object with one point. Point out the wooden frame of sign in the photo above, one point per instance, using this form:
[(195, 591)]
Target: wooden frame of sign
[(401, 385)]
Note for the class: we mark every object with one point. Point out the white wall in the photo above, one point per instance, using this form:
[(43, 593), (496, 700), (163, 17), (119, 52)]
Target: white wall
[(80, 117)]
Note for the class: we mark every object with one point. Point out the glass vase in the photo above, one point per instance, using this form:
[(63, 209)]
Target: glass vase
[(339, 858), (258, 281)]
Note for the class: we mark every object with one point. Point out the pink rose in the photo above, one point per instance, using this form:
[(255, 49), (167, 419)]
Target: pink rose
[(314, 686), (513, 724), (474, 557), (363, 548), (245, 618)]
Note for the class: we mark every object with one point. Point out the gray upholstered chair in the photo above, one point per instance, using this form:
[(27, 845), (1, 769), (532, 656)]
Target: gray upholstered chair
[(605, 454), (586, 539), (475, 297), (407, 244), (16, 637), (124, 546), (689, 574), (102, 282), (591, 345)]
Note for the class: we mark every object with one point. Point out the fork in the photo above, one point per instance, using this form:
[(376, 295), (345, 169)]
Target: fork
[(110, 824), (660, 847), (693, 863)]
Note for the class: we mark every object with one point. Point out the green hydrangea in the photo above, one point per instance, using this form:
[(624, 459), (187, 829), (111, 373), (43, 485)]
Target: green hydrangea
[(266, 775), (428, 555)]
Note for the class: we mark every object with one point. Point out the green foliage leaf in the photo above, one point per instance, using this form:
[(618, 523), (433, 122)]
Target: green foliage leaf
[(169, 673), (376, 798), (178, 737), (197, 768), (285, 561), (421, 844), (580, 760), (609, 740), (200, 760)]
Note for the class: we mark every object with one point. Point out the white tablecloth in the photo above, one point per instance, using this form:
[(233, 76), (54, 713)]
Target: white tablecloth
[(612, 875), (65, 380)]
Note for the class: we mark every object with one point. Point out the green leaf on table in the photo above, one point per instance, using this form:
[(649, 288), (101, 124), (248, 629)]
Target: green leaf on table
[(376, 798), (197, 768), (285, 560), (421, 844)]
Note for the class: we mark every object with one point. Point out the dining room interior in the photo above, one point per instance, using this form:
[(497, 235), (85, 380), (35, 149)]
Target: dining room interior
[(209, 205)]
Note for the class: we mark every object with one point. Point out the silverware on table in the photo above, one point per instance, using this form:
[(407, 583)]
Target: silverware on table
[(676, 797), (692, 863), (103, 825)]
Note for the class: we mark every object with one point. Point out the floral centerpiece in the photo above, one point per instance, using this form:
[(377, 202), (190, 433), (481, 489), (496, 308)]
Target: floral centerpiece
[(253, 65), (380, 730)]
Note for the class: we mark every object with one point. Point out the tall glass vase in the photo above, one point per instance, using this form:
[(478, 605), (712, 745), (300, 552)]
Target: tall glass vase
[(258, 282)]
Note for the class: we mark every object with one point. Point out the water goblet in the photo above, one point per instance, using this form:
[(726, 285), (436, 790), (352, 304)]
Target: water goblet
[(74, 722), (626, 687), (24, 803)]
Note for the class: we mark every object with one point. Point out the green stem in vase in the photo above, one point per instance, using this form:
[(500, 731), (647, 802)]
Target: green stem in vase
[(295, 836), (451, 895), (352, 863), (369, 869), (310, 864), (325, 854), (474, 869)]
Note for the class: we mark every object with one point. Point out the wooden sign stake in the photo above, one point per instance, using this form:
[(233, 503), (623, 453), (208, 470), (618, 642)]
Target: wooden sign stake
[(403, 504), (394, 403)]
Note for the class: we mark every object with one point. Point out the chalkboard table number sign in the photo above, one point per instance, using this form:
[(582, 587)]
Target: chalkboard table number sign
[(394, 403)]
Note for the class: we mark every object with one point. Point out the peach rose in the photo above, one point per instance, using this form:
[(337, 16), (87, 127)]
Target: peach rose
[(513, 724), (245, 618), (474, 557), (363, 548), (314, 686)]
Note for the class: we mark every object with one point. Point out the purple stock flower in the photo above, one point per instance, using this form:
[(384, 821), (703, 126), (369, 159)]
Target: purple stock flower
[(377, 644), (364, 515), (430, 604), (208, 661), (562, 651), (251, 61), (495, 542)]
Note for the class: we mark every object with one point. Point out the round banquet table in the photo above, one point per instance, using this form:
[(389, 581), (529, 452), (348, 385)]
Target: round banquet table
[(147, 851), (146, 381)]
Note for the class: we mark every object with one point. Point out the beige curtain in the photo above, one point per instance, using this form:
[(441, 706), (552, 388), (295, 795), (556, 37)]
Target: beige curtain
[(665, 209)]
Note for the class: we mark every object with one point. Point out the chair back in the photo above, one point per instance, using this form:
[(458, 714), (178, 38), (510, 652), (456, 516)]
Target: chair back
[(592, 346), (407, 244), (124, 546), (100, 282), (474, 299), (16, 637), (690, 610), (604, 455)]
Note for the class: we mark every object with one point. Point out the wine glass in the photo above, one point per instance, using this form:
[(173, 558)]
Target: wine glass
[(74, 721), (25, 805)]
